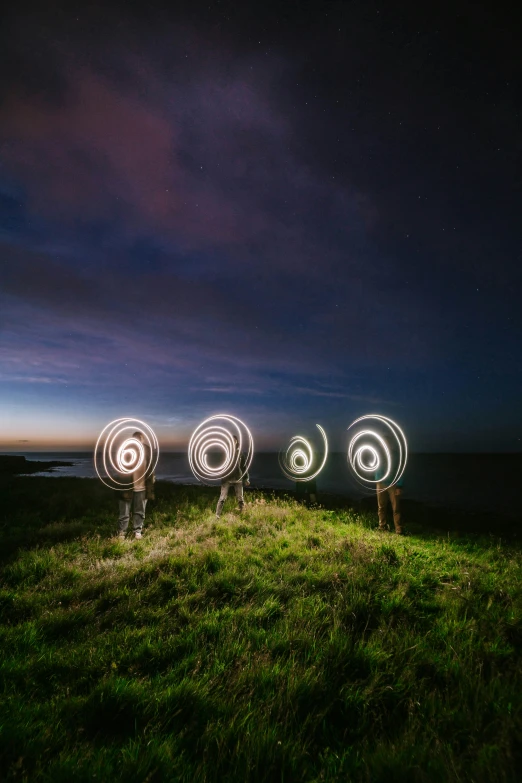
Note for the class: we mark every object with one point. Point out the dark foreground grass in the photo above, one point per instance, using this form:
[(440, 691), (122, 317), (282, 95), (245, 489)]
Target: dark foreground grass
[(284, 645)]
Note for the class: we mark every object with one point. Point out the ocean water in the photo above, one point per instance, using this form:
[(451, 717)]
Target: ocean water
[(472, 482)]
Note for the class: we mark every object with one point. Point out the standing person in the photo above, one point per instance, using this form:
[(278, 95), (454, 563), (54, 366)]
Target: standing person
[(387, 494), (235, 479), (392, 495), (143, 490), (306, 491)]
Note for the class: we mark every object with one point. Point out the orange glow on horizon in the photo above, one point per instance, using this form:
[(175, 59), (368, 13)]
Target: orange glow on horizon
[(72, 444)]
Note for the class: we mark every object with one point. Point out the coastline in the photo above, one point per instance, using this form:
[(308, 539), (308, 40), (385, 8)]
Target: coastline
[(468, 486), (20, 466)]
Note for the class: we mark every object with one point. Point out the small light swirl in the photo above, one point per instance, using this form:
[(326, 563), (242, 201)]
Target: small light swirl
[(216, 435), (297, 461), (369, 455), (120, 458)]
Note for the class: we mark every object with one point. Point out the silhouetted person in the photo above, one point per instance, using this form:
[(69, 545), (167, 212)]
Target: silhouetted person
[(306, 491), (235, 479), (392, 495), (143, 490)]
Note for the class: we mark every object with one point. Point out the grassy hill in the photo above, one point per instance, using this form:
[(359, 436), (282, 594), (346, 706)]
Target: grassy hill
[(286, 644)]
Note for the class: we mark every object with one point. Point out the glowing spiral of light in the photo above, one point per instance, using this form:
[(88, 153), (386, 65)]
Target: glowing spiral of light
[(369, 450), (215, 435), (297, 460), (120, 458)]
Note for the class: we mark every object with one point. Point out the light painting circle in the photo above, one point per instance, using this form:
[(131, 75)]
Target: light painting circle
[(297, 460), (215, 436), (120, 458), (377, 451)]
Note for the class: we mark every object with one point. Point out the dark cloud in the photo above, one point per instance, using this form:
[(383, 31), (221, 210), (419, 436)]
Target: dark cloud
[(254, 213)]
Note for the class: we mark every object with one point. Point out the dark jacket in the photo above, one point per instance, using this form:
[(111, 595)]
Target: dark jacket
[(239, 473), (380, 473)]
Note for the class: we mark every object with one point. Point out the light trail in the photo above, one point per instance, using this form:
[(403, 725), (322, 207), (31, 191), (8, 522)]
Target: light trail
[(297, 461), (369, 451), (120, 459), (216, 434)]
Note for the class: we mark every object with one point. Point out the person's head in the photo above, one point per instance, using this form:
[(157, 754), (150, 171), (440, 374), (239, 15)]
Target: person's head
[(236, 442), (139, 436)]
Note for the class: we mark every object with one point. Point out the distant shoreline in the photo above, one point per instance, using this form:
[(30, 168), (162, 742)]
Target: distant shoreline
[(17, 465), (481, 489)]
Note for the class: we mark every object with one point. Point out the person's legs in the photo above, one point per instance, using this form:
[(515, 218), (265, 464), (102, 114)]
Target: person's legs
[(123, 521), (311, 489), (140, 503), (382, 505), (222, 497), (396, 506), (299, 491), (238, 486)]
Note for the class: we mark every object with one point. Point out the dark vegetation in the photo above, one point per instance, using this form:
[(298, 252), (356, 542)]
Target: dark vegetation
[(14, 464)]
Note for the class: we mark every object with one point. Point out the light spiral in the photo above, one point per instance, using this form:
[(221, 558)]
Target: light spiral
[(215, 437), (377, 455), (298, 462), (120, 458)]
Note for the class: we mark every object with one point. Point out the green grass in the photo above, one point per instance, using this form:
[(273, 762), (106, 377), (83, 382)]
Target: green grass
[(287, 644)]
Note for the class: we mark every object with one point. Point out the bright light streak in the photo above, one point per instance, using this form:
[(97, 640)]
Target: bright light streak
[(297, 461), (119, 456), (216, 434), (369, 451)]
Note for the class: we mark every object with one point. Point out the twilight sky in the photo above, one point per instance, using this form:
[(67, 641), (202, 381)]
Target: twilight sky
[(294, 213)]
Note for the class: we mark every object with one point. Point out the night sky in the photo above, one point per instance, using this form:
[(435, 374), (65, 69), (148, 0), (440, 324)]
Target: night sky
[(293, 213)]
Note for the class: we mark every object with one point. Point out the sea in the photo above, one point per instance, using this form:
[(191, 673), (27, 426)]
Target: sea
[(477, 483)]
